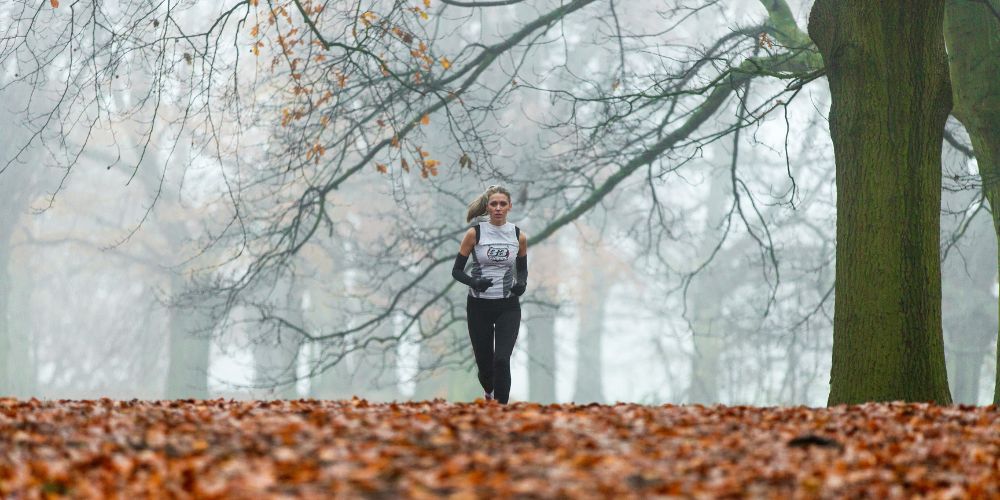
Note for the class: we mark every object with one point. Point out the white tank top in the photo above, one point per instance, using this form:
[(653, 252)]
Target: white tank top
[(493, 258)]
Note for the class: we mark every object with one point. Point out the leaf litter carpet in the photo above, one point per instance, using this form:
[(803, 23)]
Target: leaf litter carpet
[(432, 449)]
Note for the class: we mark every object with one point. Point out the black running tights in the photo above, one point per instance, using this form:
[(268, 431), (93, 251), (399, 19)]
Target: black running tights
[(493, 326)]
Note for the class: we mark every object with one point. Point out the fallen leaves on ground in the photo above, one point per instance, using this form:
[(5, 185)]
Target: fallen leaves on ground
[(309, 448)]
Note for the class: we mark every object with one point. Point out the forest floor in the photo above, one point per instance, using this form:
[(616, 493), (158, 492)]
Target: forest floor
[(317, 449)]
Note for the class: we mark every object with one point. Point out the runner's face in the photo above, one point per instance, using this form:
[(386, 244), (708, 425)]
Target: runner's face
[(498, 206)]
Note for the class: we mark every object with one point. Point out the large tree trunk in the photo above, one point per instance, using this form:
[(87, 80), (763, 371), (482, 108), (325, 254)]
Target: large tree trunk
[(889, 83), (972, 33), (540, 322)]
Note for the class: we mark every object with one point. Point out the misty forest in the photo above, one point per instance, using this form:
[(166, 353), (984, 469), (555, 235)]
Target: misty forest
[(280, 248), (761, 203)]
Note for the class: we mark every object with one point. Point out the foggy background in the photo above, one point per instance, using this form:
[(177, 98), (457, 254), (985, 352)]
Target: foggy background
[(136, 243)]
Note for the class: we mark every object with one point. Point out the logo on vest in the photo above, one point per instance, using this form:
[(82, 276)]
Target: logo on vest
[(498, 254)]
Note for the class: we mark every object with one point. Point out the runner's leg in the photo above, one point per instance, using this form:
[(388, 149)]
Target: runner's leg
[(481, 336), (508, 323)]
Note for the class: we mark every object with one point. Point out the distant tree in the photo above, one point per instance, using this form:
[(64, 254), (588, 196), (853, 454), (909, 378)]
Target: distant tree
[(18, 189), (972, 34), (969, 252)]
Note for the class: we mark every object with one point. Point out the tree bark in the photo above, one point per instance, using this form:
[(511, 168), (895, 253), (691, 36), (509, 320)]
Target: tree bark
[(972, 35), (890, 91)]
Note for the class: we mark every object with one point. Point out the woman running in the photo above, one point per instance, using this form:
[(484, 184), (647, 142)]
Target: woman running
[(499, 276)]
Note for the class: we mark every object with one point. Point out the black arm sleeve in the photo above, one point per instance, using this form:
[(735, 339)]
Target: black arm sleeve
[(458, 270), (521, 266)]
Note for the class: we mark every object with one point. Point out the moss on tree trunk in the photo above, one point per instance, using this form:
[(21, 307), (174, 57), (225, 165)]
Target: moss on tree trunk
[(890, 92)]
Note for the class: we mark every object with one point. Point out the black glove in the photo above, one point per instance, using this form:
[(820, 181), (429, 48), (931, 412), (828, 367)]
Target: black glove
[(481, 284), (458, 272), (521, 266)]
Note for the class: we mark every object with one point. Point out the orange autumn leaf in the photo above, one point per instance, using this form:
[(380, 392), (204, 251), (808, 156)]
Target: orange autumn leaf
[(429, 168), (54, 3), (426, 120), (426, 449), (445, 63)]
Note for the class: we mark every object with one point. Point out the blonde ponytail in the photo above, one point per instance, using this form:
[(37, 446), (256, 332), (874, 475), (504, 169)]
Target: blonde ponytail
[(478, 206)]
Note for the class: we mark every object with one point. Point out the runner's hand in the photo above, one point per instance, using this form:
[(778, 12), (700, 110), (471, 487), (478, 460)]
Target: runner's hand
[(481, 284)]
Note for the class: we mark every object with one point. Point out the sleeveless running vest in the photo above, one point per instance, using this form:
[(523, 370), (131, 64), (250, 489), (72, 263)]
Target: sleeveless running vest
[(493, 258)]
